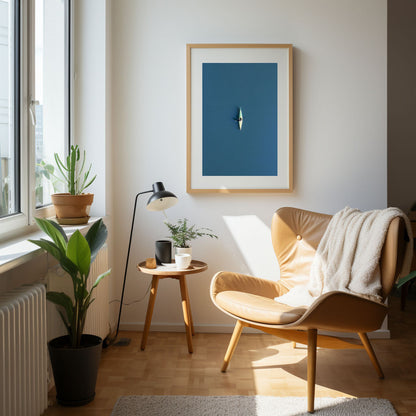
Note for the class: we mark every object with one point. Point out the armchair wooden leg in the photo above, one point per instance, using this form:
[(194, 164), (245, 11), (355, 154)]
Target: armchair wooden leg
[(312, 340), (232, 345), (369, 348)]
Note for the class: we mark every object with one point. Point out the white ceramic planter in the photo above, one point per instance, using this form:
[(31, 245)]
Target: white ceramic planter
[(183, 250)]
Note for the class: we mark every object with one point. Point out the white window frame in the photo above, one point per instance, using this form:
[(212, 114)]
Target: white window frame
[(20, 223)]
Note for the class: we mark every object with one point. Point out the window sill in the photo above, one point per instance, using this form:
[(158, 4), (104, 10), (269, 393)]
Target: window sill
[(18, 251)]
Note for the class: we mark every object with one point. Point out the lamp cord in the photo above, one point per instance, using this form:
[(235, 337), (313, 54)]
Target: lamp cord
[(134, 301)]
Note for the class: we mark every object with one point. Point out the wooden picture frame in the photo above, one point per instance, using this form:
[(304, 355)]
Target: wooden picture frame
[(239, 118)]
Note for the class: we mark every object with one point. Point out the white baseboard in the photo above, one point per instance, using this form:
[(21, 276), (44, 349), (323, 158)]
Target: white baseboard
[(228, 329)]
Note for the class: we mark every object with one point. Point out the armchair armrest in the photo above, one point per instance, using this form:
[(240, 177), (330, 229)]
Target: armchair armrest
[(223, 281), (343, 312)]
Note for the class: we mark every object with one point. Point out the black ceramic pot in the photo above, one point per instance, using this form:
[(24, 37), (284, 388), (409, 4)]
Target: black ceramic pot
[(163, 251), (75, 369)]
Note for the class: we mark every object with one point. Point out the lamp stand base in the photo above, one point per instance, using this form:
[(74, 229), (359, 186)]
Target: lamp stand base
[(122, 342)]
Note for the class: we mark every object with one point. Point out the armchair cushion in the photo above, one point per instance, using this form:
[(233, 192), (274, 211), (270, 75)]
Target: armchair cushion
[(257, 308)]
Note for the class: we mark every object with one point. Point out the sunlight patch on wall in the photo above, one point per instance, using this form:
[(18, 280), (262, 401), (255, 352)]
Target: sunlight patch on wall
[(253, 239)]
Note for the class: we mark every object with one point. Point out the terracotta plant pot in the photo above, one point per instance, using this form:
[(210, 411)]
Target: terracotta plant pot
[(72, 209)]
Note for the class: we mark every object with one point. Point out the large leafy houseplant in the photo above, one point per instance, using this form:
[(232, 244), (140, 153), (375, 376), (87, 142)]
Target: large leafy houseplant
[(182, 233), (75, 256)]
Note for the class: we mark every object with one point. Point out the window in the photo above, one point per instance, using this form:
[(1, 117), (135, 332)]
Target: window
[(9, 108), (51, 92), (34, 104)]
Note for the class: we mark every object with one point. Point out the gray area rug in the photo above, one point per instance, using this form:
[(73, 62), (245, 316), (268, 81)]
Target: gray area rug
[(247, 406)]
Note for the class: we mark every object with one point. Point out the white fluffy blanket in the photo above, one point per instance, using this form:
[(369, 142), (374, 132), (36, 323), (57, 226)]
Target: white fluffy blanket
[(348, 255)]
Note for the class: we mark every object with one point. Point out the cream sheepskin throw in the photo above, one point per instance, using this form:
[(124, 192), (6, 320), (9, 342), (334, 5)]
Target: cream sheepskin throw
[(348, 255)]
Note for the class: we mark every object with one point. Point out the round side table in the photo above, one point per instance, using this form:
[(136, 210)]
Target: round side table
[(164, 272)]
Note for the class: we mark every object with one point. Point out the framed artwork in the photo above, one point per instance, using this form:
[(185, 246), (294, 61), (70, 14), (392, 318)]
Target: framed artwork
[(239, 118)]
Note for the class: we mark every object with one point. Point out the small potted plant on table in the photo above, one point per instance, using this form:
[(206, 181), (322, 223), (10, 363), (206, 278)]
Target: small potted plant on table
[(182, 234), (73, 207), (75, 356)]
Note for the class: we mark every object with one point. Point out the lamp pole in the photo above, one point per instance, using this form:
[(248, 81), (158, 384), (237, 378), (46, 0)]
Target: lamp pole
[(128, 256), (160, 200)]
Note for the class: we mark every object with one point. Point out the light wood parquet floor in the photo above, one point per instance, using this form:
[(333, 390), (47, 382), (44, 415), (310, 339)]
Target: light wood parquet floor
[(262, 365)]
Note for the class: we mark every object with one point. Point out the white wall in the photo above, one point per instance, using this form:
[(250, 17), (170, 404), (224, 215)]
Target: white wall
[(339, 130), (92, 96), (92, 103)]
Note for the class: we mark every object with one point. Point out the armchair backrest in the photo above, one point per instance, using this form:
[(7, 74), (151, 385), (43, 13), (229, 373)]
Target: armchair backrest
[(296, 234)]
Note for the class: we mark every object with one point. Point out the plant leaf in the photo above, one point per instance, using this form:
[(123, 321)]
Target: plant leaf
[(72, 159), (54, 231), (100, 277), (83, 162), (88, 184), (60, 164), (64, 320), (50, 247), (182, 233), (78, 251), (62, 299), (96, 237), (53, 250), (81, 294), (60, 229), (69, 267), (406, 279)]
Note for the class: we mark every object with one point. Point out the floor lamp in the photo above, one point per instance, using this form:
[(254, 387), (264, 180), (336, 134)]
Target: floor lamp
[(158, 201)]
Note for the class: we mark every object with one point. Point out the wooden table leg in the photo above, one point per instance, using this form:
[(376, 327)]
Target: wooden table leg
[(189, 309), (186, 312), (149, 313)]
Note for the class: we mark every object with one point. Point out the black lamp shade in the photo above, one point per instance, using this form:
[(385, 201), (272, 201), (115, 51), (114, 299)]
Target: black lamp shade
[(161, 199)]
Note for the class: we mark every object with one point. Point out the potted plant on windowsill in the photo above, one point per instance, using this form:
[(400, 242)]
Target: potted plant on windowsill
[(182, 234), (75, 356), (73, 207)]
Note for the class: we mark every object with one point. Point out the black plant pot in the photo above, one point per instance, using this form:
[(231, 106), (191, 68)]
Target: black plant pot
[(163, 251), (75, 369)]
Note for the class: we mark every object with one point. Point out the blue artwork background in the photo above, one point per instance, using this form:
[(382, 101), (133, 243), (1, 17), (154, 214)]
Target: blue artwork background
[(226, 150)]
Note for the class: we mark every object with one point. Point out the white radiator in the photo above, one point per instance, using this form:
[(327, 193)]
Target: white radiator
[(23, 355), (98, 315)]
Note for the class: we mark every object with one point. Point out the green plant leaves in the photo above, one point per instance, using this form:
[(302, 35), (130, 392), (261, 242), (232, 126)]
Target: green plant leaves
[(75, 179), (50, 247), (100, 277), (74, 256), (406, 279), (182, 234), (78, 251), (54, 231), (96, 237), (62, 299), (60, 229), (53, 250)]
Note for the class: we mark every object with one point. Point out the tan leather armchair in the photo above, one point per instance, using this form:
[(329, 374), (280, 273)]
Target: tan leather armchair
[(295, 235)]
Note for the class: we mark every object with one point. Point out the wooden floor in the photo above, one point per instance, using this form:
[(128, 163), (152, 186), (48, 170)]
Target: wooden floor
[(262, 365)]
